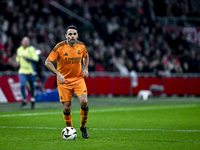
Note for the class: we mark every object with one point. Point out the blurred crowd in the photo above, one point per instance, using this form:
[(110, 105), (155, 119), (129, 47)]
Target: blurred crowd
[(126, 34)]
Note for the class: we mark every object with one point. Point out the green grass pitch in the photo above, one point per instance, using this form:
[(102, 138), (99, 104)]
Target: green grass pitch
[(117, 123)]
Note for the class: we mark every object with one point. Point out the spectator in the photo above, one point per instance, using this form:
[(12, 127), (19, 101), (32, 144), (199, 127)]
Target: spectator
[(113, 25), (163, 69), (91, 66), (120, 65), (128, 26), (185, 67), (26, 59), (1, 45), (177, 66), (193, 62), (2, 66)]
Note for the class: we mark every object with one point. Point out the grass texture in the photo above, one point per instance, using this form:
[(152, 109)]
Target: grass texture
[(114, 124)]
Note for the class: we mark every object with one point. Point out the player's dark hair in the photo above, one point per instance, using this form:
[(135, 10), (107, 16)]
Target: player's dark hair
[(72, 27)]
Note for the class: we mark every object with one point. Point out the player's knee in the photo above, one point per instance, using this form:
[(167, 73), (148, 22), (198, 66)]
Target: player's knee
[(84, 103), (67, 107), (66, 110)]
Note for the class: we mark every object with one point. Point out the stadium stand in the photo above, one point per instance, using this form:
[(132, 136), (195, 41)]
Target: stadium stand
[(134, 34)]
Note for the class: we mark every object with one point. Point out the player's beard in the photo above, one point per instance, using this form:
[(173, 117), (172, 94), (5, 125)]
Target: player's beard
[(72, 41)]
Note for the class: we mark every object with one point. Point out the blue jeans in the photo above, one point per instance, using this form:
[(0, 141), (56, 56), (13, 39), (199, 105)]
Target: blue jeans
[(23, 78)]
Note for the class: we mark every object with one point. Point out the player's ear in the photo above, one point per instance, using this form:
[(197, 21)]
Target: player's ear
[(66, 36)]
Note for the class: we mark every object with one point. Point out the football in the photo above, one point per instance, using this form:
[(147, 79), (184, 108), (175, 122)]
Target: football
[(69, 133)]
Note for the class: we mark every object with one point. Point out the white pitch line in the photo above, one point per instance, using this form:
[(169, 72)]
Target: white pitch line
[(30, 114), (102, 129), (106, 110), (163, 130), (48, 128)]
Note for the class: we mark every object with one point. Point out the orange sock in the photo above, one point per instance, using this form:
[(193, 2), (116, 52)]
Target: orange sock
[(68, 119), (84, 116)]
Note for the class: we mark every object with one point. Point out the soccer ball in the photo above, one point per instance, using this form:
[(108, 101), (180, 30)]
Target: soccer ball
[(69, 133)]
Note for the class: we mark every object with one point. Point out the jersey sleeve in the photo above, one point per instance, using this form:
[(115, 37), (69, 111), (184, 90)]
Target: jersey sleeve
[(85, 52), (54, 54), (34, 56)]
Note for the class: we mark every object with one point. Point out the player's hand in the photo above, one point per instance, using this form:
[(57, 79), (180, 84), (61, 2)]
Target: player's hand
[(24, 57), (61, 79), (85, 73)]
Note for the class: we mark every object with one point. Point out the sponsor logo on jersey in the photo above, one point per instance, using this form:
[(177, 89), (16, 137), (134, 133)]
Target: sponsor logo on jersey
[(73, 60)]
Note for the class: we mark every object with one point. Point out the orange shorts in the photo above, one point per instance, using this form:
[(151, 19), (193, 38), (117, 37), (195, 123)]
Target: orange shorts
[(65, 90)]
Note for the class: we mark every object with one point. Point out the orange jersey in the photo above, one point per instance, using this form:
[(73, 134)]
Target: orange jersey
[(69, 60)]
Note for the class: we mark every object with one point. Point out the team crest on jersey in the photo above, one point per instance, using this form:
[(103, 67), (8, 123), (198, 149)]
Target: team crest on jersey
[(79, 52)]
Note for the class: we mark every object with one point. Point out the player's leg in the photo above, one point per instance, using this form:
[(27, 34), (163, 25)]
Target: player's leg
[(67, 113), (23, 80), (65, 94), (84, 111), (81, 91), (31, 80)]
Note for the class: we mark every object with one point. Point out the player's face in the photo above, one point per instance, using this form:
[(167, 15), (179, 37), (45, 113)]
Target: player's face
[(25, 41), (71, 36)]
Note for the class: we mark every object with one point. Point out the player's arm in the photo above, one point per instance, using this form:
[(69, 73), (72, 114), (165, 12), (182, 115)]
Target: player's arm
[(85, 65), (17, 58), (34, 57), (52, 68)]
